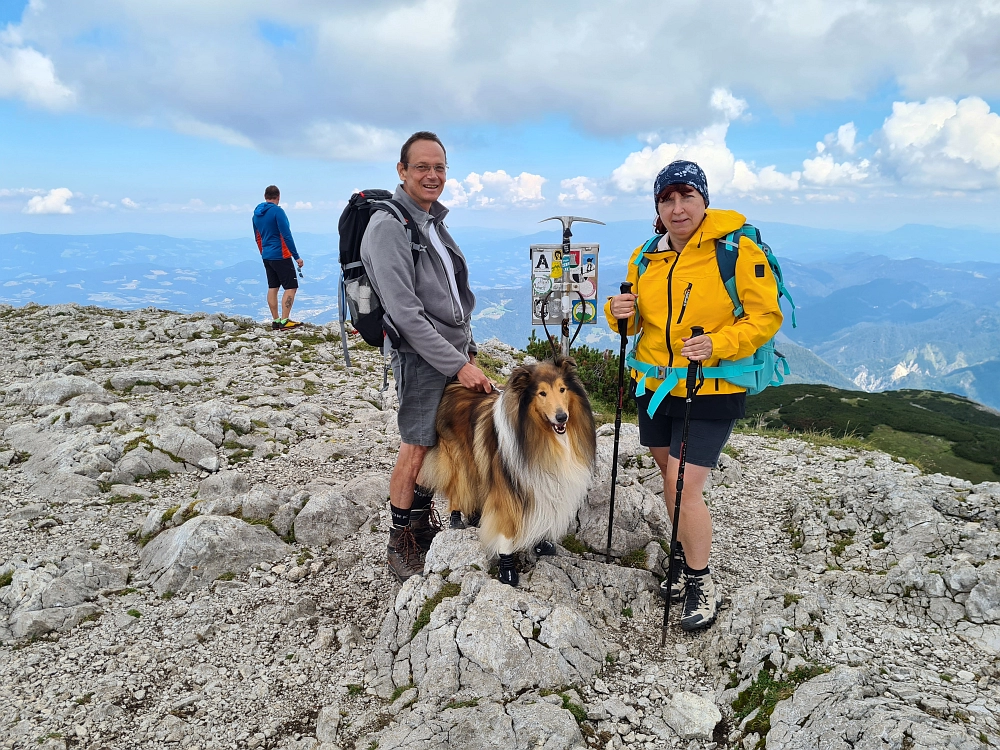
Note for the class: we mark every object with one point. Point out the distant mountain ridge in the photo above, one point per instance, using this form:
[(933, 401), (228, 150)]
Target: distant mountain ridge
[(924, 314)]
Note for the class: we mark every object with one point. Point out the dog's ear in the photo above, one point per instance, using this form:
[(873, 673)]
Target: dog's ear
[(568, 367), (519, 378)]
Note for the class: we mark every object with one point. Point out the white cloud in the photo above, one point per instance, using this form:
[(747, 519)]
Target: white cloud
[(229, 136), (129, 203), (846, 135), (579, 190), (53, 202), (203, 71), (707, 147), (27, 74), (943, 143), (302, 206), (824, 171), (495, 189)]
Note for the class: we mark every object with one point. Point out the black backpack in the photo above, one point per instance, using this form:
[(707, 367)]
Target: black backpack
[(367, 313)]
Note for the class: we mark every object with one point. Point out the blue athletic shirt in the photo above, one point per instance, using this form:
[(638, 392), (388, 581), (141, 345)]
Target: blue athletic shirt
[(274, 236)]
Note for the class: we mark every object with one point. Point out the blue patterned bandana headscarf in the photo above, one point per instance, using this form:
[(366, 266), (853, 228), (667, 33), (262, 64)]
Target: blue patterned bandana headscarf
[(681, 173)]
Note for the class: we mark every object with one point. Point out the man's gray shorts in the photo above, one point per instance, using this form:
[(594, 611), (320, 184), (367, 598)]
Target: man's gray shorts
[(419, 388)]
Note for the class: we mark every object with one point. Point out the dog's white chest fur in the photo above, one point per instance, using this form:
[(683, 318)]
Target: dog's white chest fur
[(554, 492)]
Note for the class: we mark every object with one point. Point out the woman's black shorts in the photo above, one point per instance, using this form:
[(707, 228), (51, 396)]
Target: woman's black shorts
[(706, 437)]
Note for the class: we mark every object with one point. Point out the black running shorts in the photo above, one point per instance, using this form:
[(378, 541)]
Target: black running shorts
[(706, 437), (281, 273)]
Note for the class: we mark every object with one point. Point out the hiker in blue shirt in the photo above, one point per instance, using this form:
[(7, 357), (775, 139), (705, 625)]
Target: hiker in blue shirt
[(277, 249)]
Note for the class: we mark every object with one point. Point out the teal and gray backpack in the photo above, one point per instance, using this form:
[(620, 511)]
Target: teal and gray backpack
[(764, 367)]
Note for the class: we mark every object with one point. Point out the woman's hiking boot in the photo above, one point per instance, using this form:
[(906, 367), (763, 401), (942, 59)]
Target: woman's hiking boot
[(456, 522), (425, 524), (545, 547), (404, 555), (676, 586), (701, 602), (508, 571)]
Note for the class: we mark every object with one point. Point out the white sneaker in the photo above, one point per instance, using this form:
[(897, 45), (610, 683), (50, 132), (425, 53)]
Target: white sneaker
[(701, 602)]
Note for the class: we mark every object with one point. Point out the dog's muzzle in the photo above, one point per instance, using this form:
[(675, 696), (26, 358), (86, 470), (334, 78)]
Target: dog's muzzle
[(560, 424)]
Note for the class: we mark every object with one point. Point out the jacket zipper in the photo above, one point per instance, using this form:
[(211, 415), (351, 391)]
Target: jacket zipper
[(684, 305), (456, 313), (670, 307)]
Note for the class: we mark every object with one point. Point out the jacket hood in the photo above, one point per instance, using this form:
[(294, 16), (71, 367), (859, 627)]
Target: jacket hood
[(263, 208), (718, 223)]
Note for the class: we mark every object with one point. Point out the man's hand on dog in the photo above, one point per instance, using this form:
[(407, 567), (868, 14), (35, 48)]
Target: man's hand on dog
[(473, 378)]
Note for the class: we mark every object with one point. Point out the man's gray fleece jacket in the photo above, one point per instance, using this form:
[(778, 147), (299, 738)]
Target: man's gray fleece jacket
[(417, 297)]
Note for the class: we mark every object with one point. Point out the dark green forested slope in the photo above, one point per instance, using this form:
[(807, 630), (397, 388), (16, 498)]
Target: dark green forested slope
[(940, 431)]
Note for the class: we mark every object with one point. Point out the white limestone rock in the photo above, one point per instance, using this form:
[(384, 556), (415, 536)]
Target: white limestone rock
[(194, 554)]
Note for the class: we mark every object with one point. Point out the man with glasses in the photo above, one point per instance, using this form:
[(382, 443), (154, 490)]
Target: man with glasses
[(428, 301)]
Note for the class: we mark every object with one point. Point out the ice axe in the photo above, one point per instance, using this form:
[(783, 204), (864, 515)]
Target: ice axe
[(626, 288), (692, 386), (567, 222)]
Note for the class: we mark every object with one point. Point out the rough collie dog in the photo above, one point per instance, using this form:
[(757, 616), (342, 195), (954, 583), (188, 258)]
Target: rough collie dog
[(521, 459)]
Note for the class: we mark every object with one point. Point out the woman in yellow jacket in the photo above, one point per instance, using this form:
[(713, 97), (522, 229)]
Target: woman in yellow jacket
[(681, 287)]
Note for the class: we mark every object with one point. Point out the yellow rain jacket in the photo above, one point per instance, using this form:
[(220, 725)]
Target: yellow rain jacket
[(681, 290)]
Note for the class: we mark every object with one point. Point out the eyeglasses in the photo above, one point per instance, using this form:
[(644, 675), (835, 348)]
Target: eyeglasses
[(422, 169)]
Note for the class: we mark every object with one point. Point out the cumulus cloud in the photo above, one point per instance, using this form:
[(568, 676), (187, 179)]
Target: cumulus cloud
[(496, 189), (943, 143), (53, 202), (129, 203), (823, 170), (29, 75), (203, 71), (302, 206), (578, 190), (707, 147)]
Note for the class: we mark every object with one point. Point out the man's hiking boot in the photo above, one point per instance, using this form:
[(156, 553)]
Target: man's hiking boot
[(277, 325), (508, 571), (676, 586), (404, 555), (701, 602), (425, 524), (545, 547)]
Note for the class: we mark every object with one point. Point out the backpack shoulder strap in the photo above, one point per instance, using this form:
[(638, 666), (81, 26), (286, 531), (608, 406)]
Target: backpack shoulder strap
[(727, 252), (641, 261), (398, 210)]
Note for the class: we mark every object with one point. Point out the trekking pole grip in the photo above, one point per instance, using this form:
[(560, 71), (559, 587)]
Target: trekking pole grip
[(692, 373), (626, 288)]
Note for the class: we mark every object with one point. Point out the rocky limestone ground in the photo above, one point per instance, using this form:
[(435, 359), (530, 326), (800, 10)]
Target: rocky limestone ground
[(192, 542)]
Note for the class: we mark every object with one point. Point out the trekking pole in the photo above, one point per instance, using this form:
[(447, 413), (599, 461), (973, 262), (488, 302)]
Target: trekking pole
[(626, 288), (692, 380)]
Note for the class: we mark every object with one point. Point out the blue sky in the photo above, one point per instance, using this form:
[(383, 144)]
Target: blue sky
[(172, 117)]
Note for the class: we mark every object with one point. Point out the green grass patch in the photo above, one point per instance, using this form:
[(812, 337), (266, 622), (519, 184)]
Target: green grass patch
[(399, 691), (791, 599), (354, 690), (930, 454), (765, 692), (573, 544), (227, 576), (447, 591), (135, 497), (462, 704), (6, 578), (637, 558), (168, 514), (134, 613)]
